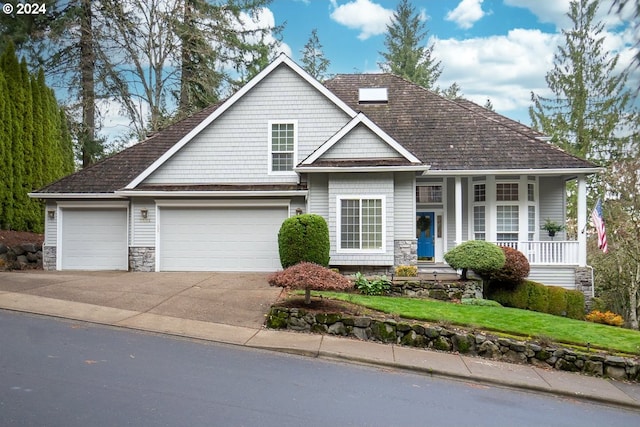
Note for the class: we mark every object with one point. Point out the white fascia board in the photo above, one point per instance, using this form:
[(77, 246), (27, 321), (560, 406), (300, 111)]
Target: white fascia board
[(74, 196), (312, 169), (559, 171), (174, 203), (231, 101), (198, 194), (360, 118), (93, 204)]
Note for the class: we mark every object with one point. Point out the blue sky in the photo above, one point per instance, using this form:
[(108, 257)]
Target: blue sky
[(494, 49)]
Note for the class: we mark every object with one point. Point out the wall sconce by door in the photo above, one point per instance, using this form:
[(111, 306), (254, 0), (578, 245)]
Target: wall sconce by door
[(51, 214), (144, 213)]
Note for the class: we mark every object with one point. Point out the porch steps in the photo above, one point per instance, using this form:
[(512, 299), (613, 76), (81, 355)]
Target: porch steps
[(437, 271)]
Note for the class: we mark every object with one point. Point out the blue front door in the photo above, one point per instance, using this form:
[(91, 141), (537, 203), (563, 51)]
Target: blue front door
[(425, 226)]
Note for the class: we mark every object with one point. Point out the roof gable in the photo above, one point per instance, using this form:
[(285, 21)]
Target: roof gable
[(342, 138), (281, 60)]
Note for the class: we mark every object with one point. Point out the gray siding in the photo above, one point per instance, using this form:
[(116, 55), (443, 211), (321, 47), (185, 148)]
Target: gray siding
[(234, 148), (404, 206), (143, 231), (319, 194), (361, 184), (297, 202), (564, 276), (360, 143), (552, 204), (50, 225)]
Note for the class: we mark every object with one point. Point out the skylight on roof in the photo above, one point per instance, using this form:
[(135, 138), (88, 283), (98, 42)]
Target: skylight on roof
[(371, 95)]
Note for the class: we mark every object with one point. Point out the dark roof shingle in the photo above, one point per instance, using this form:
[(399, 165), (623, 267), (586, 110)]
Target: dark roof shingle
[(451, 134)]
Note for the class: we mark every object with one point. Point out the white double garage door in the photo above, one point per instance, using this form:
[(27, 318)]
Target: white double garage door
[(188, 238)]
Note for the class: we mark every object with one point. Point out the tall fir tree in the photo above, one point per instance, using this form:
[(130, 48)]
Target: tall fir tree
[(590, 108), (313, 60), (405, 55), (32, 139)]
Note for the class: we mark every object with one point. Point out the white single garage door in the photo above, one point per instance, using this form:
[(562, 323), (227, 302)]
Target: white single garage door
[(220, 239), (94, 239)]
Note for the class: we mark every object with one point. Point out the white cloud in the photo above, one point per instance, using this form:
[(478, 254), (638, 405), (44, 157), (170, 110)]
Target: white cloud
[(505, 69), (369, 18), (467, 13)]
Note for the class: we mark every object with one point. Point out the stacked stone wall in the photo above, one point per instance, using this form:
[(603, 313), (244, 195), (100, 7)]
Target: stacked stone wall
[(440, 338), (20, 257)]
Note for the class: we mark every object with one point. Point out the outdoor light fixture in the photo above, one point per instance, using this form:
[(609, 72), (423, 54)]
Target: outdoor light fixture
[(144, 213), (51, 214), (298, 211)]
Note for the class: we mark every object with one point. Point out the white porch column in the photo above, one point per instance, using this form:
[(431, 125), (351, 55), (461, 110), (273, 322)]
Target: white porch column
[(582, 220), (458, 195)]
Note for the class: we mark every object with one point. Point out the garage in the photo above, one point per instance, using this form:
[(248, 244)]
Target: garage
[(220, 238), (93, 239)]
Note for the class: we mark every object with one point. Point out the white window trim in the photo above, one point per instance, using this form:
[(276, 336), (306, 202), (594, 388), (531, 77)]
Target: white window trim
[(339, 199), (270, 151)]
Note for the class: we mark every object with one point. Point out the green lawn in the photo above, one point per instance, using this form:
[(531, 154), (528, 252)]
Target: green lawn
[(511, 321)]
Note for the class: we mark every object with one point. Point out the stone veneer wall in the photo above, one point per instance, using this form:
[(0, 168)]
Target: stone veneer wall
[(448, 339), (142, 259), (405, 252), (49, 257), (584, 283)]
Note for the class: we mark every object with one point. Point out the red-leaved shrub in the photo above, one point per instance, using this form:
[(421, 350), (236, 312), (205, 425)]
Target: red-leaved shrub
[(513, 272), (308, 276)]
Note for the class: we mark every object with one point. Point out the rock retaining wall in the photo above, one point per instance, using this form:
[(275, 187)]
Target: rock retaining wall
[(20, 257), (449, 339), (444, 291)]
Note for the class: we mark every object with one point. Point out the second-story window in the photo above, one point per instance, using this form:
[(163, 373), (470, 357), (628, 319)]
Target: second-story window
[(283, 147)]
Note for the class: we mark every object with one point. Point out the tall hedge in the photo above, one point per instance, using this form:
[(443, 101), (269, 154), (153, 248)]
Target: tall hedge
[(304, 238), (35, 144)]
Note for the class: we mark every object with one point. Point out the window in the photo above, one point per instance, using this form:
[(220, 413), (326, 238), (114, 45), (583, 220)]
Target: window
[(507, 223), (479, 193), (531, 192), (479, 223), (282, 146), (429, 194), (507, 192), (361, 223), (532, 222)]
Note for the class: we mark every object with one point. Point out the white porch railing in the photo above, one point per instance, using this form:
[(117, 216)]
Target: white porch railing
[(547, 252)]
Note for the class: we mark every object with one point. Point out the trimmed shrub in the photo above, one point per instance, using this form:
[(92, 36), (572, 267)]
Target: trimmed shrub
[(557, 301), (482, 257), (304, 238), (575, 304), (514, 271), (538, 297), (308, 276), (515, 298)]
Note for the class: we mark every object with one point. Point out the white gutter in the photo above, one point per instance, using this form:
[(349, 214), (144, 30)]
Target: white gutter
[(74, 196), (514, 172), (311, 169), (235, 193)]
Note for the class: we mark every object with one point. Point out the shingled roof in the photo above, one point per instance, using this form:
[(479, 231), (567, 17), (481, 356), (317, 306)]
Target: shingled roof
[(447, 134), (115, 172), (450, 134)]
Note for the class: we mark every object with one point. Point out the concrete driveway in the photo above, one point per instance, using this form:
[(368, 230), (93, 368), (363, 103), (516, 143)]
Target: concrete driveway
[(240, 299)]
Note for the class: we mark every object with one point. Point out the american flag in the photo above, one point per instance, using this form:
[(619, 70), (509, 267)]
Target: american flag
[(598, 222)]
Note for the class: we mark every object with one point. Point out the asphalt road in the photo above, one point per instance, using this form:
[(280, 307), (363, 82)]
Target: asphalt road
[(63, 373)]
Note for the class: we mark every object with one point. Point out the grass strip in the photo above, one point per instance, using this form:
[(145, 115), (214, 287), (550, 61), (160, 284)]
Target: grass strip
[(528, 324)]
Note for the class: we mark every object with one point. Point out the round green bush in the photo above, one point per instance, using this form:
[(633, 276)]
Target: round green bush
[(514, 271), (482, 257), (304, 238)]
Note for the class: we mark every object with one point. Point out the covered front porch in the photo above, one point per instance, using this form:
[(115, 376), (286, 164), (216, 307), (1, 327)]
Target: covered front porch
[(505, 208)]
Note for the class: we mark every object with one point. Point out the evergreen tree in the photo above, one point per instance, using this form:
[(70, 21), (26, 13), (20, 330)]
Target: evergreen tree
[(313, 59), (452, 92), (590, 107), (405, 56), (32, 140)]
